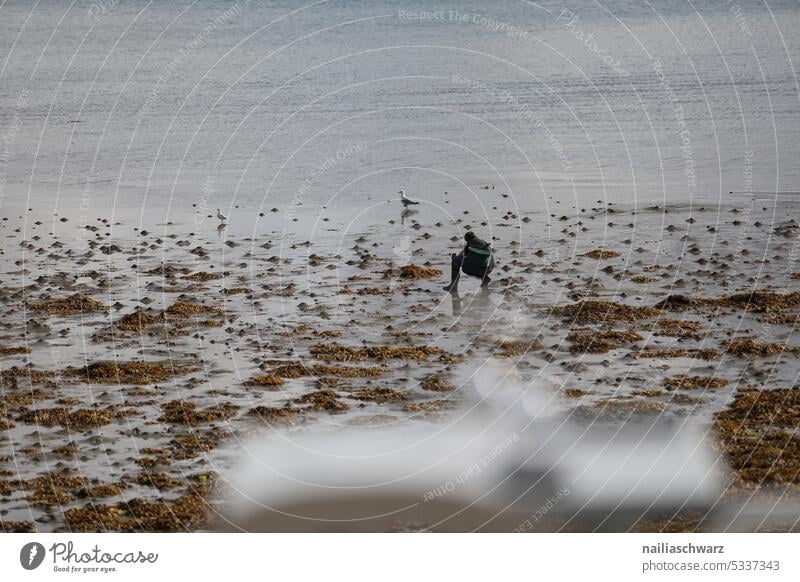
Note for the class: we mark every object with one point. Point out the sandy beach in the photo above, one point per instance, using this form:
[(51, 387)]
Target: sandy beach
[(137, 355)]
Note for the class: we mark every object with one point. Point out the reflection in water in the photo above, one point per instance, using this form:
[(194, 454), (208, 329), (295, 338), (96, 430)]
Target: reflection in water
[(479, 303), (404, 213)]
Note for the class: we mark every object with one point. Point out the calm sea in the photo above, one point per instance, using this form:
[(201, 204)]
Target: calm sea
[(138, 104)]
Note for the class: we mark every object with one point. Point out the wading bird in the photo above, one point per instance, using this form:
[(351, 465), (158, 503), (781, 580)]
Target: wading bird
[(406, 201)]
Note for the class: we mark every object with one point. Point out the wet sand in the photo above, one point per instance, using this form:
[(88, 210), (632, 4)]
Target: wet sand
[(138, 355)]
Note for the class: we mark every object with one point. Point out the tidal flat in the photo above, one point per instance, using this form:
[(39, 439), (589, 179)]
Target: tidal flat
[(138, 355)]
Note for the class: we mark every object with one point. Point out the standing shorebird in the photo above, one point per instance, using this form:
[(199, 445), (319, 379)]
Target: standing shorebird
[(221, 216), (406, 201)]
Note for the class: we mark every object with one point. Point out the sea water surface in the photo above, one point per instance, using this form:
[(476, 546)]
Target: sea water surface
[(154, 105)]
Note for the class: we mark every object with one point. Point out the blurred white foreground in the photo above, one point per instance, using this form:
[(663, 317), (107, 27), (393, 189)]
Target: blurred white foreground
[(485, 470)]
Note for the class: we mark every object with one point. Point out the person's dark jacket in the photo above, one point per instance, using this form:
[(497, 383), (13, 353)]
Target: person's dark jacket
[(477, 264), (478, 243)]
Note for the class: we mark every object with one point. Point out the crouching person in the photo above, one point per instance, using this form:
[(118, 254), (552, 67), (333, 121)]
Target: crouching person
[(475, 260)]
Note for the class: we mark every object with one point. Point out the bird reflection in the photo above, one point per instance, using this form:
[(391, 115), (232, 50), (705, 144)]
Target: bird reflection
[(406, 212)]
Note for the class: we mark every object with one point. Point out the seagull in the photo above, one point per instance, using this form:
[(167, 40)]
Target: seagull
[(406, 201), (221, 216)]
